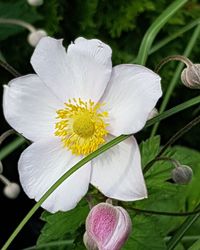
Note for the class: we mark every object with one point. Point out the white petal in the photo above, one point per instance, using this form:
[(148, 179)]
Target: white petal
[(117, 173), (83, 71), (50, 63), (132, 93), (42, 164), (30, 107), (90, 61)]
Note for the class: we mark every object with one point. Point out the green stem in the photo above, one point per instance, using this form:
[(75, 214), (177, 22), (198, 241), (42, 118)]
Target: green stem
[(170, 38), (164, 213), (9, 148), (157, 158), (174, 138), (155, 28), (167, 59), (9, 68), (179, 134), (89, 158), (186, 238), (174, 110), (182, 230), (166, 170), (174, 80), (51, 244), (6, 134), (18, 22)]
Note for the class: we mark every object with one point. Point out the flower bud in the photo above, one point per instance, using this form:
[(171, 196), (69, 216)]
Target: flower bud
[(11, 190), (153, 113), (190, 76), (35, 2), (182, 174), (35, 36), (107, 227)]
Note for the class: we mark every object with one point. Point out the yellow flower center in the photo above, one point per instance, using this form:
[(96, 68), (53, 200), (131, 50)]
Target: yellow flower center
[(81, 126)]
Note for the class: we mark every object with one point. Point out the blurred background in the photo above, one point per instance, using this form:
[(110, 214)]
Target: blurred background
[(121, 24)]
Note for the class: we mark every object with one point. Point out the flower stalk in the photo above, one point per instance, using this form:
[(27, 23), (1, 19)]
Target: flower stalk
[(21, 23), (167, 59), (9, 68), (35, 34)]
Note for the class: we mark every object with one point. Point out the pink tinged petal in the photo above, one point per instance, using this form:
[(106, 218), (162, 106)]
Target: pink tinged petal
[(83, 71), (153, 114), (89, 242), (107, 227), (42, 164), (132, 93), (90, 62), (30, 107), (118, 174)]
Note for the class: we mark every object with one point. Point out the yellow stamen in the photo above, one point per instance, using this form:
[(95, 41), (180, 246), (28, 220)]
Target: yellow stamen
[(81, 126)]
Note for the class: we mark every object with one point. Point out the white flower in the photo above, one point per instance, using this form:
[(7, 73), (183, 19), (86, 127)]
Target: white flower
[(74, 104)]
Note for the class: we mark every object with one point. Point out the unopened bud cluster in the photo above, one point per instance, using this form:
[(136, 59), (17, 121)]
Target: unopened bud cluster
[(107, 227)]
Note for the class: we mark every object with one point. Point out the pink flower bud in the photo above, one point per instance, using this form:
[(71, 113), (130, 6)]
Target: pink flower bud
[(107, 227)]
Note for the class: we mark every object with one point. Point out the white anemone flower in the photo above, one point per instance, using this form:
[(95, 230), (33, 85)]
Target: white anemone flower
[(74, 104)]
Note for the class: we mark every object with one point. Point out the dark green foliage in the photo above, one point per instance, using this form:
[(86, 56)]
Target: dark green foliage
[(16, 10), (63, 225), (52, 15), (146, 234)]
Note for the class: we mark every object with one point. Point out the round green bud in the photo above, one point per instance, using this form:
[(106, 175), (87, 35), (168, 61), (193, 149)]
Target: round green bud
[(182, 174)]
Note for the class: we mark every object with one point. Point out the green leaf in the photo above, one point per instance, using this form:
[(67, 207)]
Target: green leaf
[(2, 57), (16, 10), (156, 26), (61, 225), (191, 158), (195, 246), (149, 149), (146, 235), (164, 195), (55, 245)]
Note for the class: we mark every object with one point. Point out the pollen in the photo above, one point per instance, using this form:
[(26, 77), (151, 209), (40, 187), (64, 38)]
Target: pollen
[(82, 126)]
